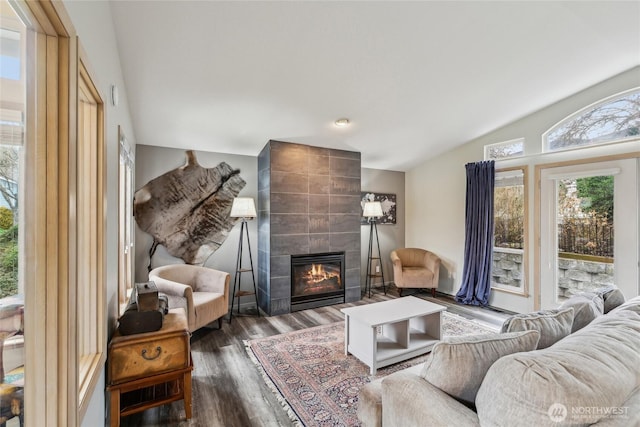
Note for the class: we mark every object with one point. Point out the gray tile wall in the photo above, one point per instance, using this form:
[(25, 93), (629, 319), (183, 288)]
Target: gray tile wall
[(308, 202)]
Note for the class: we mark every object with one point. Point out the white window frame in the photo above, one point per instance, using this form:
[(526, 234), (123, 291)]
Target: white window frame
[(125, 219), (577, 114), (522, 290), (488, 147)]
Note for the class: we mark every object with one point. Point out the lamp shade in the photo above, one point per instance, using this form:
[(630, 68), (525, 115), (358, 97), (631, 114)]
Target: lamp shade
[(243, 207), (372, 209)]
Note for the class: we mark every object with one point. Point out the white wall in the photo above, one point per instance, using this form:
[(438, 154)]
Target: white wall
[(93, 23), (435, 190)]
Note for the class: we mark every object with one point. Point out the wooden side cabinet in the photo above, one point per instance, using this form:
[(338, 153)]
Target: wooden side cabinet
[(150, 369)]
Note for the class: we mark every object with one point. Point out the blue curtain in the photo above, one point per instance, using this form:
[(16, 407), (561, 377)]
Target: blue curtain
[(478, 245)]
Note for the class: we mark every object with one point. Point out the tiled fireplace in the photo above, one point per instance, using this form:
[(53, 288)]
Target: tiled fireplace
[(308, 204)]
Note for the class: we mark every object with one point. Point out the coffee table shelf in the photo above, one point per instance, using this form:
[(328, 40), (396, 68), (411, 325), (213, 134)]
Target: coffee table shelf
[(384, 333)]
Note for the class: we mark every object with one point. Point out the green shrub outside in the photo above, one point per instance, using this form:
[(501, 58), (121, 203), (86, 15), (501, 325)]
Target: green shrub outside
[(6, 218), (9, 261)]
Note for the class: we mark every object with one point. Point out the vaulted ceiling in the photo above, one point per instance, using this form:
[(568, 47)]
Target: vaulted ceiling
[(414, 78)]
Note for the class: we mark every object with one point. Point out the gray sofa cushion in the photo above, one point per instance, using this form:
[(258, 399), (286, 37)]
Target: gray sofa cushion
[(586, 307), (633, 305), (370, 404), (595, 367), (410, 401), (457, 365), (370, 399), (612, 297), (553, 325)]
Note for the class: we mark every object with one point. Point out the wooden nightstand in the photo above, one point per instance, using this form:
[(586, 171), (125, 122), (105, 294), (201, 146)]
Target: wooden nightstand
[(150, 369)]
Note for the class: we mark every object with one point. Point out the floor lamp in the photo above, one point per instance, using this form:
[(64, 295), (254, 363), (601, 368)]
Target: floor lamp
[(372, 211), (244, 208)]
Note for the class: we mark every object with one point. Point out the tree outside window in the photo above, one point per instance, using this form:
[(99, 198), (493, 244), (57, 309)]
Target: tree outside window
[(509, 230)]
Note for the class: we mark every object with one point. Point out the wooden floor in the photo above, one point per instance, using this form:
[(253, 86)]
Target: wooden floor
[(228, 390)]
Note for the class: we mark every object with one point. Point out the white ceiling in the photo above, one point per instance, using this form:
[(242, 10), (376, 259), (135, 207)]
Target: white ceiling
[(415, 78)]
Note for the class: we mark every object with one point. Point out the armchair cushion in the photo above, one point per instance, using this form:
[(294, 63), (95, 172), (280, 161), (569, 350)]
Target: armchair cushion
[(212, 281)]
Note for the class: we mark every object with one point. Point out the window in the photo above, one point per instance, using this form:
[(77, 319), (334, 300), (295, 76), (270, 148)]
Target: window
[(51, 126), (510, 225), (504, 150), (91, 289), (10, 50), (13, 228), (125, 220), (615, 119)]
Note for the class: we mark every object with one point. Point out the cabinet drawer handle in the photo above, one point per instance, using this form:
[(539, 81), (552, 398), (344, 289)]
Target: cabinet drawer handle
[(158, 352)]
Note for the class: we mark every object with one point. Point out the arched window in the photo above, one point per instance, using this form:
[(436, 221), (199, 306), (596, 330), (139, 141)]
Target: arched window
[(614, 119)]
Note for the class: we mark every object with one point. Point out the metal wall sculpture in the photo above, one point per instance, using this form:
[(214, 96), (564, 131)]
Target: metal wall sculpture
[(187, 209)]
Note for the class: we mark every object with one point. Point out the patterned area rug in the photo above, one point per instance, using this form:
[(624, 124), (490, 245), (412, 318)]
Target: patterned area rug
[(315, 382)]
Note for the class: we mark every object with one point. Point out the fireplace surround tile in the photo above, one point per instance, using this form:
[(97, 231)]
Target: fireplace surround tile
[(315, 185), (319, 184), (290, 224), (340, 223), (289, 203), (280, 265), (292, 158), (344, 167), (318, 223), (344, 204), (344, 185), (289, 182), (288, 244), (319, 243), (319, 204), (319, 164), (345, 241), (280, 287)]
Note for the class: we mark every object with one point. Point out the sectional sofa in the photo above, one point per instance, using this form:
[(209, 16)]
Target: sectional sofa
[(576, 365)]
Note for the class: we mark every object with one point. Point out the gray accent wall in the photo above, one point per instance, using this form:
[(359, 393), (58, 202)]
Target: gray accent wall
[(391, 236)]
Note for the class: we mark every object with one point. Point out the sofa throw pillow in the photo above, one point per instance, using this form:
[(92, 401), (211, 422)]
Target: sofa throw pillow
[(553, 325), (458, 365), (586, 307), (612, 296), (595, 367)]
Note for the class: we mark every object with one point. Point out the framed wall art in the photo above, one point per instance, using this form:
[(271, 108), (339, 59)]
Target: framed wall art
[(388, 203)]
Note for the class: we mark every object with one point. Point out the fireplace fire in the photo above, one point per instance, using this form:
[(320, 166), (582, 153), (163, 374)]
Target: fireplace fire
[(317, 280)]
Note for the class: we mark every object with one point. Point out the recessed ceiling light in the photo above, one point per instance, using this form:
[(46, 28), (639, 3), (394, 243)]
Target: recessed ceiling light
[(344, 122)]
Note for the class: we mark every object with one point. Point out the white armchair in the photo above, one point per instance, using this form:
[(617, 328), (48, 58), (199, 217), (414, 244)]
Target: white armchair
[(203, 292)]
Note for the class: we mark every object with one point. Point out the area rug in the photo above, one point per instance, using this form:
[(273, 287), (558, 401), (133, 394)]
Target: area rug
[(316, 382)]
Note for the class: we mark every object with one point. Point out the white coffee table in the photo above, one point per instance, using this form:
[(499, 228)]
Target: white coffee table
[(388, 332)]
